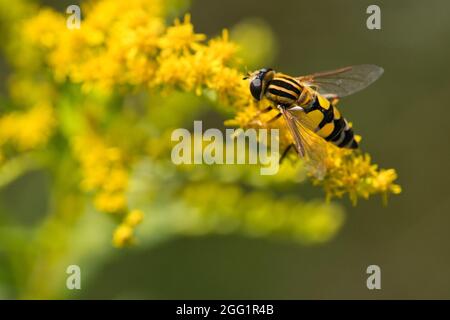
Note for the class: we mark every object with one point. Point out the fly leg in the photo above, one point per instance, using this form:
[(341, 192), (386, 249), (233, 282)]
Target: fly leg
[(279, 114), (275, 118), (265, 110)]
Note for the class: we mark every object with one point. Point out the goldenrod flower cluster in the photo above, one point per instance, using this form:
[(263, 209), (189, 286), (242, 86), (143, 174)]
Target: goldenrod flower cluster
[(105, 173), (112, 47), (124, 233), (352, 172), (27, 130), (136, 48)]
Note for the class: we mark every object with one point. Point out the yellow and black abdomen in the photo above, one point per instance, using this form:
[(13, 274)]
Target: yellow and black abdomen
[(283, 90), (326, 120), (329, 123)]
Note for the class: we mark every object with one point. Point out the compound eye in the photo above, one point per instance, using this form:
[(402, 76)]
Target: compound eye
[(255, 88)]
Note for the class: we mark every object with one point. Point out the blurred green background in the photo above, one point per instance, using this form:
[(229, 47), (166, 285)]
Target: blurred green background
[(403, 120)]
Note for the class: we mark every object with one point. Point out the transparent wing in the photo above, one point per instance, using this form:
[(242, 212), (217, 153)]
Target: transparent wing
[(291, 124), (344, 81), (309, 145)]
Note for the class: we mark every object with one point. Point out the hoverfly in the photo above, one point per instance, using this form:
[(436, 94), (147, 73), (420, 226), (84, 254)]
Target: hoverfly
[(308, 106)]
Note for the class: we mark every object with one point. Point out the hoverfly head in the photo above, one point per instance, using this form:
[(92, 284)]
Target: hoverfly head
[(259, 81)]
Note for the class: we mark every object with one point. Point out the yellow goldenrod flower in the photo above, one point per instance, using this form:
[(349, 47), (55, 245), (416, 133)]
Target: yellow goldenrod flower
[(27, 130), (180, 38), (44, 28), (134, 218), (123, 235), (110, 202), (103, 172), (351, 172)]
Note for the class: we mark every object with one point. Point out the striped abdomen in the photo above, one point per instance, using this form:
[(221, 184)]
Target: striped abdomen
[(326, 119), (329, 123)]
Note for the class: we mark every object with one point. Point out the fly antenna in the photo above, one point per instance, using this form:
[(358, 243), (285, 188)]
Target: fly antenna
[(247, 74)]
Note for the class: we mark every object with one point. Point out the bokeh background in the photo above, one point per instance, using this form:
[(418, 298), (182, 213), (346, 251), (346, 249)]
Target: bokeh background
[(403, 120)]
